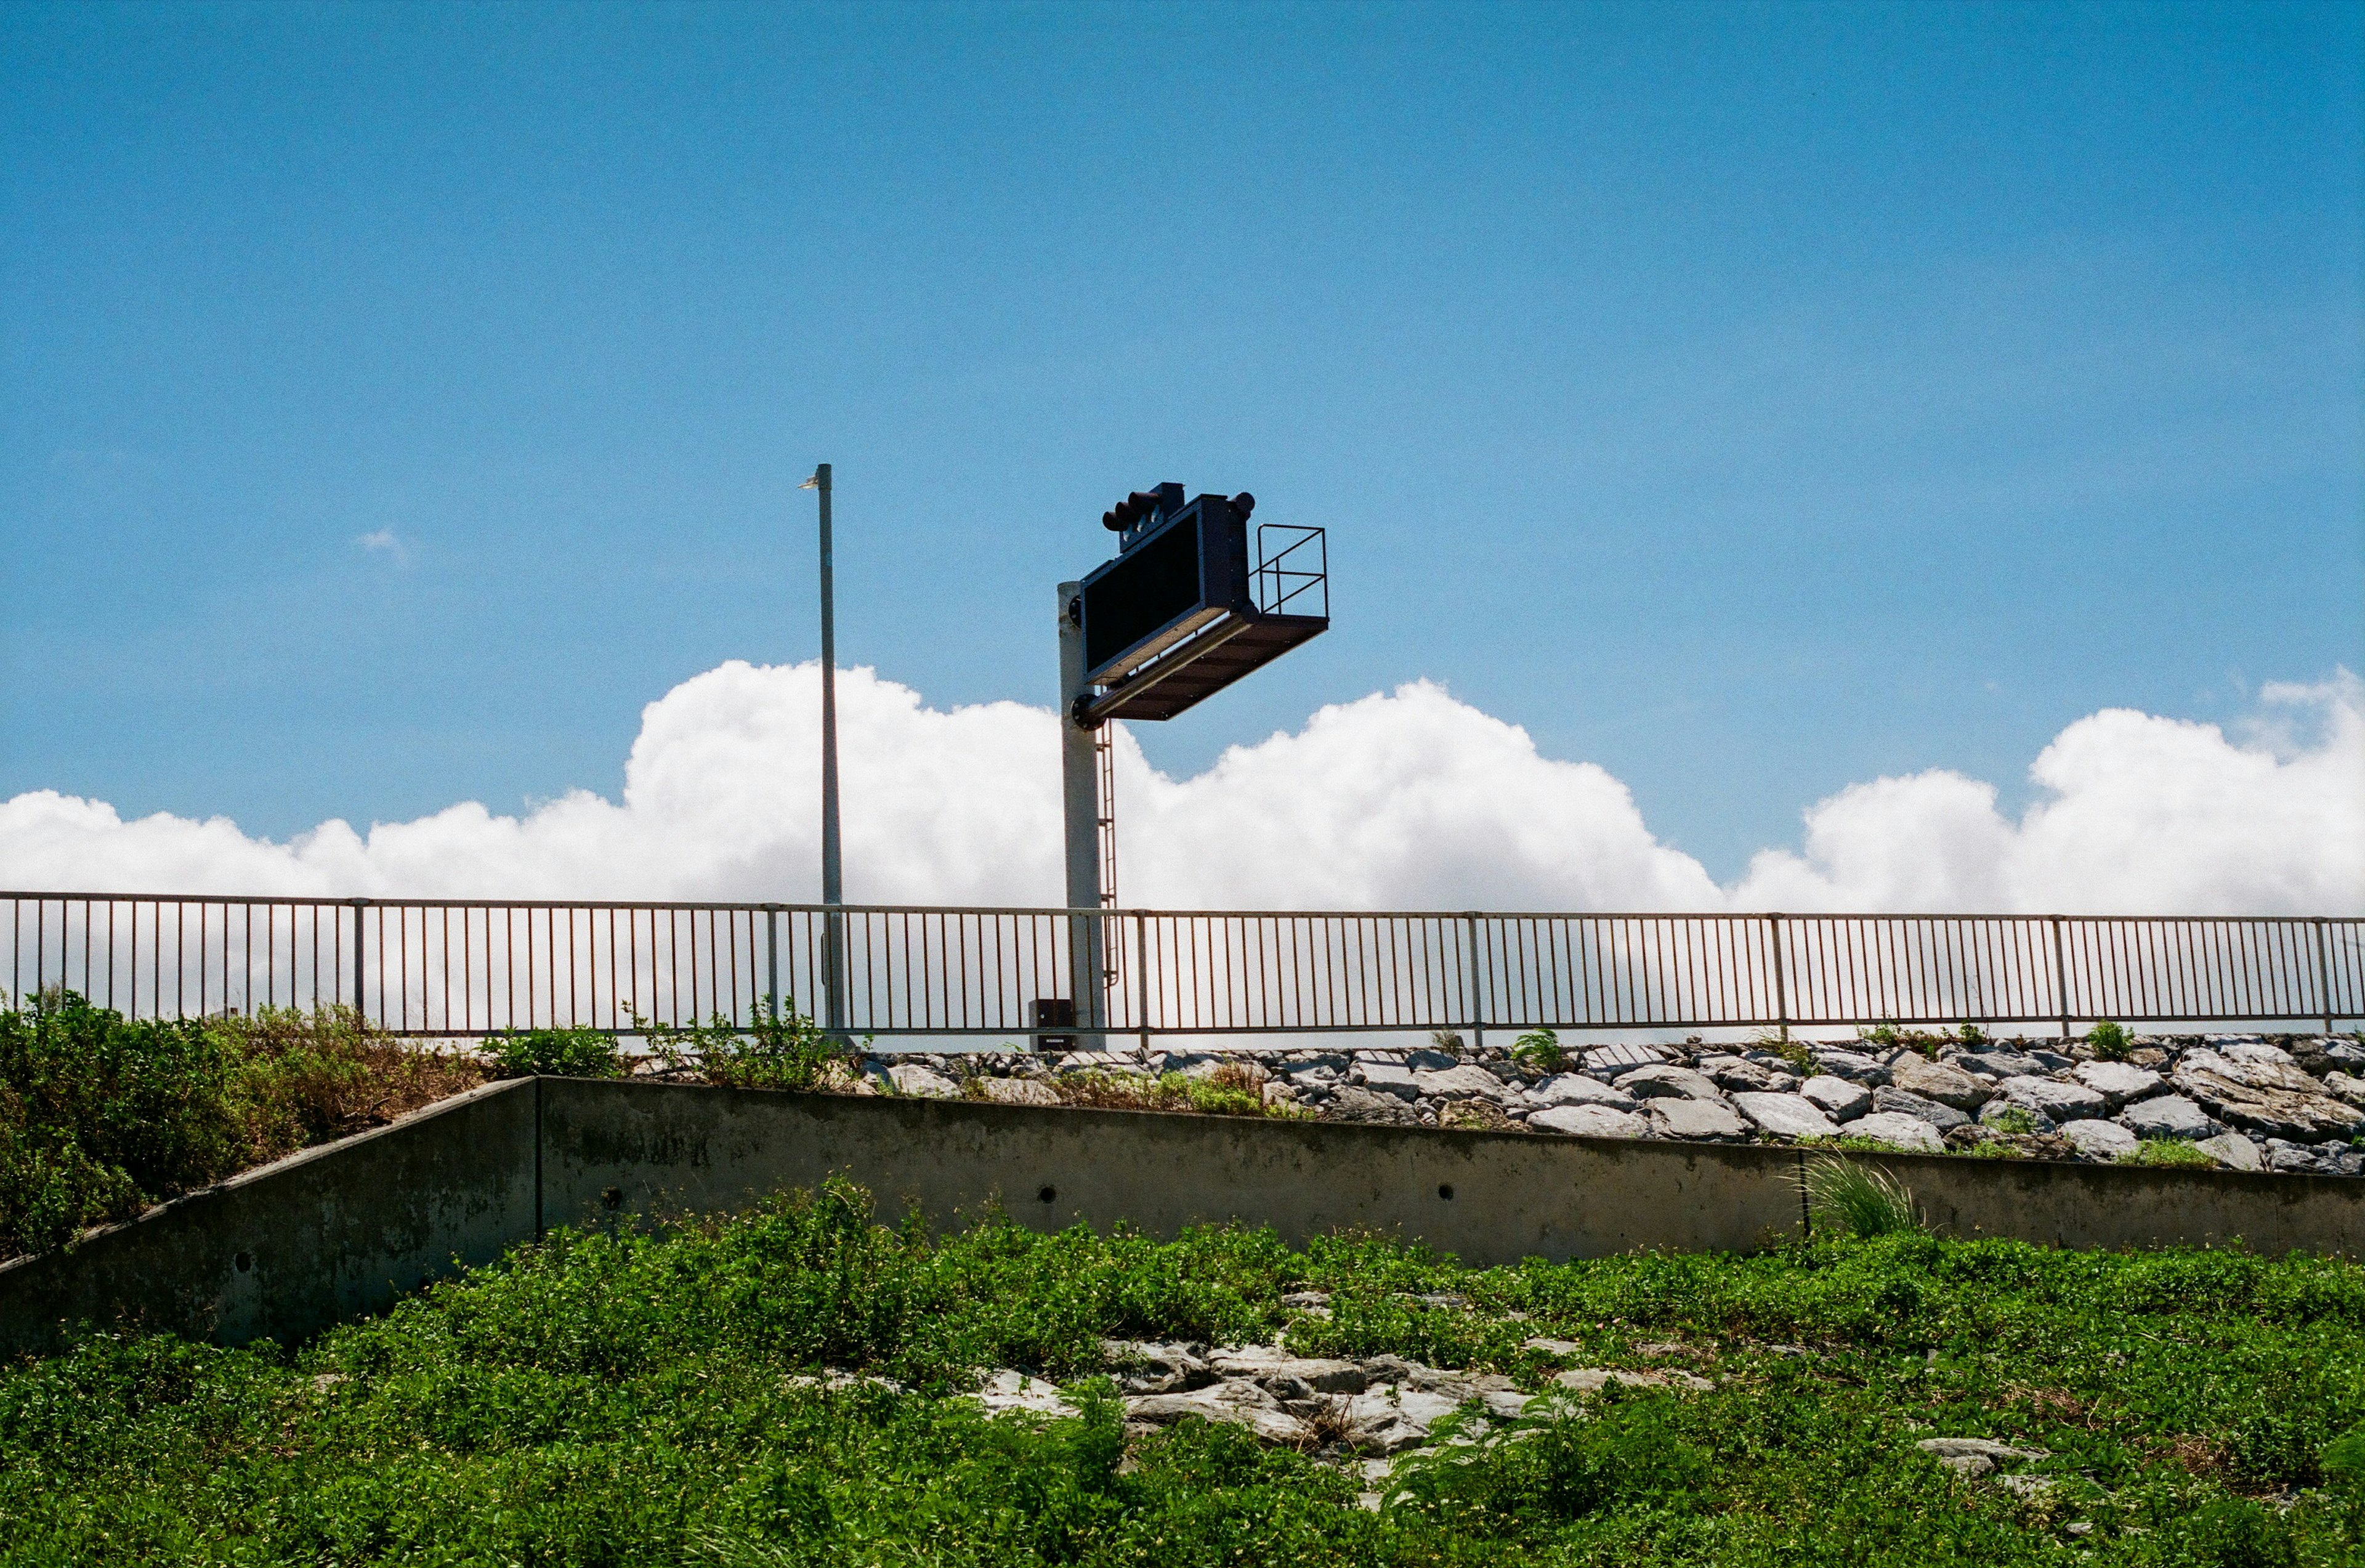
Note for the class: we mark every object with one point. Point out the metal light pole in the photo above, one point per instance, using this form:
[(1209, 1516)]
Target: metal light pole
[(833, 878)]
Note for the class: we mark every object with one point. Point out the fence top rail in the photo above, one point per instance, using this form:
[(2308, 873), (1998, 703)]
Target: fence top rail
[(1720, 916)]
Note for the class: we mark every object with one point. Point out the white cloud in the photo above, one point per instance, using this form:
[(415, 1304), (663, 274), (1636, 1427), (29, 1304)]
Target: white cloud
[(385, 542), (1407, 800)]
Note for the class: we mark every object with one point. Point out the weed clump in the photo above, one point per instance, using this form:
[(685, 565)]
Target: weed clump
[(1858, 1200), (1540, 1051), (2109, 1041)]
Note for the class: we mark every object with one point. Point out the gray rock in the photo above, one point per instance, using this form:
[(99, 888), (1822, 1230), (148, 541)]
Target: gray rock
[(2048, 1097), (1787, 1115), (2004, 1116), (1935, 1080), (1463, 1082), (1146, 1366), (1735, 1074), (2166, 1116), (1614, 1059), (1285, 1376), (1708, 1120), (1240, 1402), (2248, 1066), (1895, 1128), (2233, 1151), (1017, 1091), (2346, 1054), (1008, 1392), (1589, 1121), (1945, 1118), (1971, 1458), (2293, 1159), (1353, 1104), (2118, 1084), (2260, 1090), (1389, 1418), (1837, 1098), (1854, 1065), (1665, 1082), (1576, 1089), (2345, 1086), (1433, 1061), (2100, 1140), (1386, 1077), (2004, 1064), (910, 1078)]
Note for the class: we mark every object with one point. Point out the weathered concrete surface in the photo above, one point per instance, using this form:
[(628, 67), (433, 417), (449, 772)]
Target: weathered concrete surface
[(611, 1150), (2054, 1203), (315, 1238), (343, 1230), (615, 1148)]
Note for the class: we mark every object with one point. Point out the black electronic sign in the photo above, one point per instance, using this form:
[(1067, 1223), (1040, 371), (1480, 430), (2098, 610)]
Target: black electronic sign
[(1181, 613)]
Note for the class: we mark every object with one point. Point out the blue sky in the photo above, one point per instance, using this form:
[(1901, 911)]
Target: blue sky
[(1752, 400)]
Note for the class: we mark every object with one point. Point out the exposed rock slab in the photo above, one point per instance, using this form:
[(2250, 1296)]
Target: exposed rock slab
[(1789, 1115), (2119, 1083), (2166, 1116), (1895, 1126), (1836, 1097), (1708, 1120), (1578, 1088), (1661, 1082), (1906, 1103), (1590, 1121), (1949, 1086)]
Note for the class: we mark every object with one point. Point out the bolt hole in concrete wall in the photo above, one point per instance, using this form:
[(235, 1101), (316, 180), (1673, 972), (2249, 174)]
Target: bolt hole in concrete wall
[(1445, 1191), (243, 1262), (1048, 1194), (612, 1198)]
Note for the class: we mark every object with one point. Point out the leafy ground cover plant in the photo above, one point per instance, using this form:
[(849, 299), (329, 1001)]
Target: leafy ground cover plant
[(657, 1398), (101, 1115)]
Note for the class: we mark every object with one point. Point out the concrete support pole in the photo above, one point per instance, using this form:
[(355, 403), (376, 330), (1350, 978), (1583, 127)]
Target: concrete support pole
[(1079, 812)]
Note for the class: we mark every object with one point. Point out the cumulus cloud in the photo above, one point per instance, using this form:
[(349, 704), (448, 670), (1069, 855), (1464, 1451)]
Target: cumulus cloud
[(1404, 800)]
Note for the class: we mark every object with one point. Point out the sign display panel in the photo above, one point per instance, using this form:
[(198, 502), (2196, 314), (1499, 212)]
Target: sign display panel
[(1153, 588)]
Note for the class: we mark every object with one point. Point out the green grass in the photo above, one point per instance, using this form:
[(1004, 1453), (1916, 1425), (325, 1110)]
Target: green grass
[(634, 1399)]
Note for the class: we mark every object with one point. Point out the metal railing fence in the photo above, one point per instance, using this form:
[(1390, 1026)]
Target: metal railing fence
[(462, 967)]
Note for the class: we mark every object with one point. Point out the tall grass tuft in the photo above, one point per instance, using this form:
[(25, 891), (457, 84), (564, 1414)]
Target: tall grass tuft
[(1860, 1199)]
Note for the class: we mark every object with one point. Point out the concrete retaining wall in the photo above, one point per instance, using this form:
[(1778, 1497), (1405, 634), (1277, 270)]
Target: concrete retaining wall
[(287, 1250), (342, 1230)]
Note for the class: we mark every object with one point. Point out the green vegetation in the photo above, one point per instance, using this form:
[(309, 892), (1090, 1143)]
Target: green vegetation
[(101, 1115), (1857, 1200), (558, 1053), (2167, 1151), (2013, 1120), (653, 1399), (1539, 1051), (2109, 1040), (1233, 1089)]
